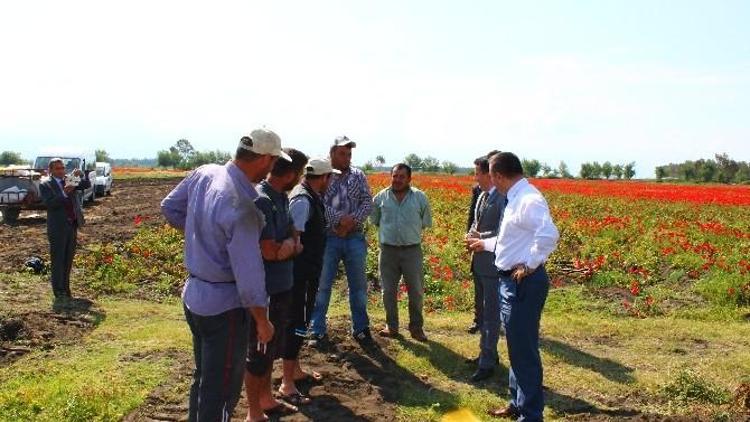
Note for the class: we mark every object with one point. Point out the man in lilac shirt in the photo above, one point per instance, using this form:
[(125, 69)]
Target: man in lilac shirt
[(225, 293)]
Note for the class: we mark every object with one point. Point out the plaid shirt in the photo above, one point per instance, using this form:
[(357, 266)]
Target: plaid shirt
[(347, 194)]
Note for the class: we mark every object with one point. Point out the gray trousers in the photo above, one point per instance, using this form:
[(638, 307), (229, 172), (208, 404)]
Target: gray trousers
[(394, 262), (62, 248), (490, 325)]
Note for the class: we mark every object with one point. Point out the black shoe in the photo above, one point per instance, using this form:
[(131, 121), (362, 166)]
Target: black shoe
[(317, 341), (482, 374), (474, 328)]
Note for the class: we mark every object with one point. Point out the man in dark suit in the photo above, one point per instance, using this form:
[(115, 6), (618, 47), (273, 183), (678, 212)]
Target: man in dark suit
[(488, 213), (64, 217)]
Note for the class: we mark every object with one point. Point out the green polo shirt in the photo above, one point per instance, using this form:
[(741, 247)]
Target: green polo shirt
[(401, 223)]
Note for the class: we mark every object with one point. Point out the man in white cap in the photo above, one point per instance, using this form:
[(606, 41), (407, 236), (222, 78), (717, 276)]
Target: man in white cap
[(308, 216), (348, 203), (225, 294)]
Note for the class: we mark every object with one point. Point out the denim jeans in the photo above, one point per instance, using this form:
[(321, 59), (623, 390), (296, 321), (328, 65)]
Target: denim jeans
[(353, 251), (219, 348), (521, 306)]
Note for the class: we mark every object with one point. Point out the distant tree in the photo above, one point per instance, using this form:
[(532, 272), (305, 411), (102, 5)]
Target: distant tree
[(449, 167), (380, 160), (661, 173), (430, 164), (200, 158), (629, 170), (531, 167), (102, 156), (414, 161), (562, 169), (727, 168), (586, 171), (185, 149), (169, 158), (607, 170), (9, 157), (368, 167), (617, 171), (596, 170), (708, 170), (549, 172)]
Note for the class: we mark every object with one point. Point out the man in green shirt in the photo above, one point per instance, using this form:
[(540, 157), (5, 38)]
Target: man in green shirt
[(401, 212)]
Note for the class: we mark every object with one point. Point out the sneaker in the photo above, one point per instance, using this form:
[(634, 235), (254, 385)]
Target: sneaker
[(363, 336), (317, 340)]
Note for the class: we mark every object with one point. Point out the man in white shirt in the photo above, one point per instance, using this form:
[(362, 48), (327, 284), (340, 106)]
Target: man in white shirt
[(526, 238)]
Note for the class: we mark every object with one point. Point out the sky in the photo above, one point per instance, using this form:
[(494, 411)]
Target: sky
[(638, 80)]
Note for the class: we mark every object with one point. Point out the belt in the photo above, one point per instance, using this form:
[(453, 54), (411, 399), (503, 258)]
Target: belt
[(401, 246), (504, 273)]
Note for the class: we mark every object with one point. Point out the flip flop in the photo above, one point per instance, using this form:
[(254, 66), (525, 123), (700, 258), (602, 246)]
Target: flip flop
[(282, 409), (296, 399), (312, 376)]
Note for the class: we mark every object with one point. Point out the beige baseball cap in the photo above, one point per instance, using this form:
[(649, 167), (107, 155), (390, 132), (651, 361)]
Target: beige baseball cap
[(320, 166), (265, 142)]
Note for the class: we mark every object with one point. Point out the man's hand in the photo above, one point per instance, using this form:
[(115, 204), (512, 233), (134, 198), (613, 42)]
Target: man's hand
[(77, 173), (471, 237), (345, 226), (298, 247), (287, 249), (68, 189), (520, 271), (476, 245), (265, 331)]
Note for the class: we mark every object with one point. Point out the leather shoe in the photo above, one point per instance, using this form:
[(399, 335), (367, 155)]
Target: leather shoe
[(482, 374), (388, 332), (418, 334), (473, 329), (504, 412)]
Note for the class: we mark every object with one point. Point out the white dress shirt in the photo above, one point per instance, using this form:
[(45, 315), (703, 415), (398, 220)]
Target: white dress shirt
[(527, 234)]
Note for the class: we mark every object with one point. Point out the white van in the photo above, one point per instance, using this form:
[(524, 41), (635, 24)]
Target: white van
[(103, 179)]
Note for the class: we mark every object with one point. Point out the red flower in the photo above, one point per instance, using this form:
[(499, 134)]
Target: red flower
[(635, 288), (731, 291)]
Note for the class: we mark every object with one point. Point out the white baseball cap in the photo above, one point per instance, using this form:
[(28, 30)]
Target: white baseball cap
[(319, 167), (344, 140), (265, 142)]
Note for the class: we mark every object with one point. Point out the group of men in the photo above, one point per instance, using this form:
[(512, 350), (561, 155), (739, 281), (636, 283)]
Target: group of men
[(264, 237)]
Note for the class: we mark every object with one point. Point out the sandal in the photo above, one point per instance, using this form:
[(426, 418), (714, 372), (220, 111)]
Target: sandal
[(281, 409), (296, 399)]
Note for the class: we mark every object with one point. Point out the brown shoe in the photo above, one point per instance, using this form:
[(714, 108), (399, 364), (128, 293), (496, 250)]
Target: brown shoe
[(388, 332), (509, 412), (418, 334)]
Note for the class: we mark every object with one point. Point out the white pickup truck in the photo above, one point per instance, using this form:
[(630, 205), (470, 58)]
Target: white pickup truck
[(19, 185)]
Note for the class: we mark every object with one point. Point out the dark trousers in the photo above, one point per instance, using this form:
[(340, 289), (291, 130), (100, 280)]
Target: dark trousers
[(62, 248), (490, 325), (260, 359), (521, 311), (478, 302), (304, 291), (219, 347)]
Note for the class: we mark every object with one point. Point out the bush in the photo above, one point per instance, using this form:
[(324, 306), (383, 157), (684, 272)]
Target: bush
[(689, 386)]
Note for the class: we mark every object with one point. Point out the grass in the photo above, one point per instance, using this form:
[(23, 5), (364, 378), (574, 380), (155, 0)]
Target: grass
[(596, 363), (102, 377)]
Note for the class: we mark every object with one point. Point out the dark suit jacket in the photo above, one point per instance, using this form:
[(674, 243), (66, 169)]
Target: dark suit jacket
[(54, 200), (475, 191), (483, 263)]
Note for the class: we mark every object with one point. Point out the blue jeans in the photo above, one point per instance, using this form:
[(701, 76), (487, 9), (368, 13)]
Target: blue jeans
[(353, 251), (521, 311)]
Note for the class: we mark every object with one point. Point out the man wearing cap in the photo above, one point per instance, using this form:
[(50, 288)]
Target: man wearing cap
[(348, 203), (308, 216), (225, 292), (526, 238), (400, 213), (278, 245)]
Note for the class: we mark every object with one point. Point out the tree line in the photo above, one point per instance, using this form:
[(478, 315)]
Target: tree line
[(721, 169)]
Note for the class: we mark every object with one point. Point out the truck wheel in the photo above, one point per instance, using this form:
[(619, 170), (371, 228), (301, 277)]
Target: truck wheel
[(10, 215)]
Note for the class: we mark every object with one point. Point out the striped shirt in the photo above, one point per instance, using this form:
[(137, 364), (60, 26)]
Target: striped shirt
[(348, 194)]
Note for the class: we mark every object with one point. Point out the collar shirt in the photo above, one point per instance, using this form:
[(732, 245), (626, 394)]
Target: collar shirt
[(348, 194), (215, 206), (527, 234), (401, 223), (61, 185)]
